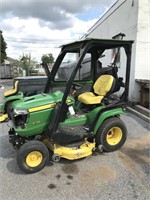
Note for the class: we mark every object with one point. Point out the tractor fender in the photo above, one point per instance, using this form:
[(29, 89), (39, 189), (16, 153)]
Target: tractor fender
[(106, 115), (10, 99)]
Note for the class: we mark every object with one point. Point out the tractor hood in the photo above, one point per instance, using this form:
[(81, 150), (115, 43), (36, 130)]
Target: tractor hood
[(42, 100)]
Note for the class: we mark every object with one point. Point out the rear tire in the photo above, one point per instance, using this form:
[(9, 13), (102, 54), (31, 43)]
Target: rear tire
[(32, 156), (111, 134)]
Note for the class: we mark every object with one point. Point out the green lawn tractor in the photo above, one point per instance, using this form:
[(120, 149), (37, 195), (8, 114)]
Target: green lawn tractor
[(79, 110), (9, 97), (19, 91)]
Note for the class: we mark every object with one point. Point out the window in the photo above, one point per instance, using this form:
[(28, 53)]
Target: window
[(84, 73), (115, 51), (68, 64)]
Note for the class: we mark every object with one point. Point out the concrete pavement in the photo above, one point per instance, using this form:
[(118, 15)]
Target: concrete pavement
[(121, 175)]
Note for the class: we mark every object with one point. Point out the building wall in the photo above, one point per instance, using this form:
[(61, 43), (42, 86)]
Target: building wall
[(122, 17), (142, 70)]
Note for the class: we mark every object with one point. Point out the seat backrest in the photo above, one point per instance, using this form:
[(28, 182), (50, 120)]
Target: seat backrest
[(103, 85), (12, 91)]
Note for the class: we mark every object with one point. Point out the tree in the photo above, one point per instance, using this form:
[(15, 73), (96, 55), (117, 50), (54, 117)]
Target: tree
[(26, 63), (3, 46), (48, 58)]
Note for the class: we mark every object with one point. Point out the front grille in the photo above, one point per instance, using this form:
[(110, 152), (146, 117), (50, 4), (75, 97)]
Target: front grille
[(20, 121)]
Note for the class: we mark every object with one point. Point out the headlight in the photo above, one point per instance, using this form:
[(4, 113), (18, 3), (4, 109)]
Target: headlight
[(20, 112), (20, 118)]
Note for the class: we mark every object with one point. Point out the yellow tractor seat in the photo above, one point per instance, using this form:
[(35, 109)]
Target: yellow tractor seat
[(103, 85), (12, 91)]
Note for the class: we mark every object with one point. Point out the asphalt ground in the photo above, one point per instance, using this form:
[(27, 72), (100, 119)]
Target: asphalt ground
[(121, 175)]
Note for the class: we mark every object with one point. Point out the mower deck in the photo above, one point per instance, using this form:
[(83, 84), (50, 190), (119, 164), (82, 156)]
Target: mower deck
[(70, 153)]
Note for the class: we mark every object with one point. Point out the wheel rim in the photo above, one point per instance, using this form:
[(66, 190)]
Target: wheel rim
[(114, 136), (34, 159)]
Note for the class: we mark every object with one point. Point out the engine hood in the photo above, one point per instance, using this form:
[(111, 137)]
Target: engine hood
[(35, 101)]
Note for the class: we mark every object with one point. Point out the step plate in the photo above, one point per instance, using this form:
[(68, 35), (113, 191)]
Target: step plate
[(70, 134)]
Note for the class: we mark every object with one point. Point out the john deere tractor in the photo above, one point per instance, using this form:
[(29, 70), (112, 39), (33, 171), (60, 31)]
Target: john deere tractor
[(79, 110)]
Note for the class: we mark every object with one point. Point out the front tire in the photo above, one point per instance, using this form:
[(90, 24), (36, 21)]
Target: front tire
[(32, 156), (111, 134)]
